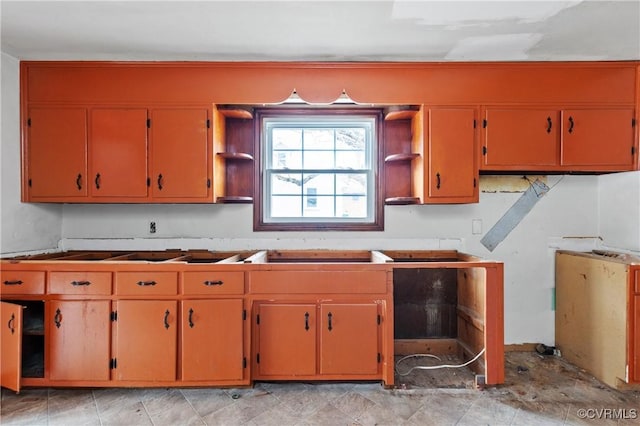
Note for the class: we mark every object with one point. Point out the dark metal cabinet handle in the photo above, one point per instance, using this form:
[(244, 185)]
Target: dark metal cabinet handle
[(80, 283), (191, 324), (57, 319), (571, 124), (210, 283), (549, 124), (330, 318), (11, 323), (306, 321), (160, 182), (79, 181), (437, 180), (13, 282), (97, 181), (166, 319), (146, 283)]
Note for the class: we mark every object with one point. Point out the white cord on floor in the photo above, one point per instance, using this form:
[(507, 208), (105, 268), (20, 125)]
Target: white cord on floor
[(433, 367)]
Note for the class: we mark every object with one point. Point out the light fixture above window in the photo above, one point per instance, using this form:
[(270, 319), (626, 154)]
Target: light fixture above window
[(295, 99)]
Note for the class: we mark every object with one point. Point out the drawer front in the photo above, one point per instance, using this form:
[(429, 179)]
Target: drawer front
[(637, 281), (318, 282), (213, 283), (89, 283), (146, 283), (22, 282)]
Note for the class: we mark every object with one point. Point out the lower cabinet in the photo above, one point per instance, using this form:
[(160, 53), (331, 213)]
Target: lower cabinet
[(78, 339), (11, 345), (212, 340), (145, 340), (317, 340)]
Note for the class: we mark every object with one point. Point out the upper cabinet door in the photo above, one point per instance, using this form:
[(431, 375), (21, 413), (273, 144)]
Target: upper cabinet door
[(598, 139), (11, 346), (452, 170), (517, 139), (57, 154), (180, 154), (118, 153)]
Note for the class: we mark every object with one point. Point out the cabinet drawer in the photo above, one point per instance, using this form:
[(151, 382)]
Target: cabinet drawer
[(96, 283), (637, 277), (304, 282), (146, 283), (213, 283), (22, 282)]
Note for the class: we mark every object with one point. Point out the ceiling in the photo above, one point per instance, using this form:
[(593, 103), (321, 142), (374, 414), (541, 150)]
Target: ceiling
[(400, 30)]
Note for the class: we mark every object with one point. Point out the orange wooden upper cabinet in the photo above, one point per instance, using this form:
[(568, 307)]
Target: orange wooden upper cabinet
[(598, 139), (56, 154), (118, 153), (520, 139), (548, 139), (450, 171), (179, 155)]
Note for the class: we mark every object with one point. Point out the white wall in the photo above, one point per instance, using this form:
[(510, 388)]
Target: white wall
[(565, 218), (620, 211), (24, 227)]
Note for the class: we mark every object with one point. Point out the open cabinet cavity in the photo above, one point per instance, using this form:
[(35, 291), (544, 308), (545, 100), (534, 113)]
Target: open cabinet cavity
[(447, 304)]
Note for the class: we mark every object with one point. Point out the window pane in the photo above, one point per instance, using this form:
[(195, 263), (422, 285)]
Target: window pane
[(321, 184), (351, 206), (351, 184), (283, 138), (318, 159), (318, 139), (351, 138), (286, 206), (287, 160), (323, 207), (350, 160), (284, 183)]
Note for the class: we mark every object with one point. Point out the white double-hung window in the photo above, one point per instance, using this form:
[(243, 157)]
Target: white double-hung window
[(318, 171)]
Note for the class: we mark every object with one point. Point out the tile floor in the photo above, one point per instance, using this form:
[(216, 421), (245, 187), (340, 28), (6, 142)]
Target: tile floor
[(537, 391)]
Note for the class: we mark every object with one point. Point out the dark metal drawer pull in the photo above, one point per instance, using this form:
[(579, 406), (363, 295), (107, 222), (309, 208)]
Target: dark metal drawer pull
[(166, 319), (210, 283), (11, 323), (79, 283), (57, 319), (330, 317), (146, 283), (14, 282), (191, 318), (306, 321)]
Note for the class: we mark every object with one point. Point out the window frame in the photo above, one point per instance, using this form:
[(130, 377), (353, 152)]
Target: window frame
[(377, 147)]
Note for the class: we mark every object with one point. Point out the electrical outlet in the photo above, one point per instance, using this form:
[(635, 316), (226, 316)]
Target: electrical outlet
[(152, 227), (476, 226)]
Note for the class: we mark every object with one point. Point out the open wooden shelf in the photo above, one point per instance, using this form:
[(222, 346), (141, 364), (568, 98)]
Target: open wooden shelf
[(234, 200), (401, 201), (236, 156), (401, 157), (236, 111), (400, 112)]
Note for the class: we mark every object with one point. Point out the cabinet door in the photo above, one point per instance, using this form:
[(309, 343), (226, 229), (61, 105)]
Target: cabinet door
[(597, 139), (349, 338), (179, 154), (118, 152), (286, 339), (212, 340), (57, 153), (145, 340), (521, 138), (11, 345), (452, 172), (79, 340)]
